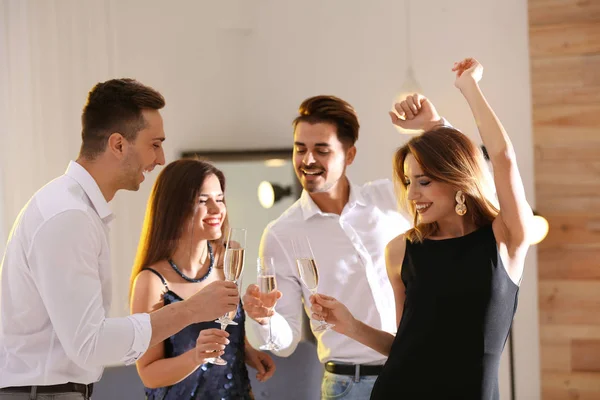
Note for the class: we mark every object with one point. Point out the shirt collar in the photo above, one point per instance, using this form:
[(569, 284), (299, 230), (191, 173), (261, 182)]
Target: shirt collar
[(310, 208), (356, 196), (91, 188)]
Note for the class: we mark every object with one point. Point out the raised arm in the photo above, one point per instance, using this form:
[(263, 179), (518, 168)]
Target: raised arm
[(515, 213), (416, 112)]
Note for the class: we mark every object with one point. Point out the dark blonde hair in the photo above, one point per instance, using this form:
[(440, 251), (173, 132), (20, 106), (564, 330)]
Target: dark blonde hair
[(446, 155), (171, 204)]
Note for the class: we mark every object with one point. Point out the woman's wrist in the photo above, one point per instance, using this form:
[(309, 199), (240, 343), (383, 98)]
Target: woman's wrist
[(435, 123), (471, 87)]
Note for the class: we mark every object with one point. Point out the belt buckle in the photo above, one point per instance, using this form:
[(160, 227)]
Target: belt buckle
[(357, 373)]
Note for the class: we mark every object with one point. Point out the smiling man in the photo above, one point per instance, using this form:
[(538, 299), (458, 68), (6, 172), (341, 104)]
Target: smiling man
[(55, 277), (348, 227)]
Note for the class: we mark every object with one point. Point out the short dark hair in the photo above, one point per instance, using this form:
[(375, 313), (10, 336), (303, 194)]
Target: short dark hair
[(333, 110), (115, 106)]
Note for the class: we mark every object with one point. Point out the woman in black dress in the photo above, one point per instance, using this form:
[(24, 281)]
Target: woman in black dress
[(456, 274)]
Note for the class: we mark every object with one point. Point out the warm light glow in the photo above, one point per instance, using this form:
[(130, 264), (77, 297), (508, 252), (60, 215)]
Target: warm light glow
[(266, 194), (409, 87), (540, 229), (275, 162)]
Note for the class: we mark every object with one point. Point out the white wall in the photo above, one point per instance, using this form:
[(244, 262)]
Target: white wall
[(243, 207), (233, 74)]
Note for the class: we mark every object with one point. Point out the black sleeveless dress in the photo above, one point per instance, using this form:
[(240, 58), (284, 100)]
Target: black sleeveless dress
[(460, 303), (228, 382)]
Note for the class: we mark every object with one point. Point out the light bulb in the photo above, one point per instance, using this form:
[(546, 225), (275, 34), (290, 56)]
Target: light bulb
[(275, 162), (266, 194), (539, 229)]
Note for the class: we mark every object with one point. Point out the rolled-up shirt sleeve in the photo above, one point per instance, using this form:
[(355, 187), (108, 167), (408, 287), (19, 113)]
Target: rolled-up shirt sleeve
[(63, 261), (142, 333)]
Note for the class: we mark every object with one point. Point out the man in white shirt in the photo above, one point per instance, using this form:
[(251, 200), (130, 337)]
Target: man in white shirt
[(55, 277), (348, 227)]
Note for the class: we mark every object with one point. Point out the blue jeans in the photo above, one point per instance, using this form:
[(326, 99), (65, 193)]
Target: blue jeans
[(343, 387)]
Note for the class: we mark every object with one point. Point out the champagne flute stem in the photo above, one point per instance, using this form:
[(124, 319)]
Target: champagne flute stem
[(321, 321), (270, 331)]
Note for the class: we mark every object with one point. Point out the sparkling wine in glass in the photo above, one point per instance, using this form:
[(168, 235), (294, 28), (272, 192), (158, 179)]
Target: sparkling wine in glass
[(308, 272), (233, 265), (267, 282)]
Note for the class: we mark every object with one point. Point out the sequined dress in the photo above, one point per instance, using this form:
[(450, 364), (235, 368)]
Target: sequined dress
[(209, 381)]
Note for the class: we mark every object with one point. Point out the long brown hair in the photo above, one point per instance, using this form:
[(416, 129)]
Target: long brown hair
[(446, 155), (171, 204)]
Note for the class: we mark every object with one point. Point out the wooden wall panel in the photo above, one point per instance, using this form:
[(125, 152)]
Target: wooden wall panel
[(546, 12), (570, 385), (569, 302), (578, 263), (557, 358), (560, 204), (573, 231), (584, 355), (566, 117), (564, 40), (570, 80), (546, 152), (564, 334)]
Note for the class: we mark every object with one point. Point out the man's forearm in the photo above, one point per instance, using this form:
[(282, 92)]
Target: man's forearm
[(169, 320)]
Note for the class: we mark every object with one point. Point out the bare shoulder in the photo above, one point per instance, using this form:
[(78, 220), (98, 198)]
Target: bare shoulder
[(394, 252), (147, 291), (147, 280)]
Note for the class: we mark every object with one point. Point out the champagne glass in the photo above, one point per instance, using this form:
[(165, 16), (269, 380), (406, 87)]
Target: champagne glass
[(233, 265), (308, 271), (267, 282)]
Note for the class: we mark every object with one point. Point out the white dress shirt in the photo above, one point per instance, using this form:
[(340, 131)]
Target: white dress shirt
[(349, 252), (55, 290)]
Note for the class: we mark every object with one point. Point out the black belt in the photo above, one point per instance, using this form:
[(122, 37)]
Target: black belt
[(353, 369), (86, 390)]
